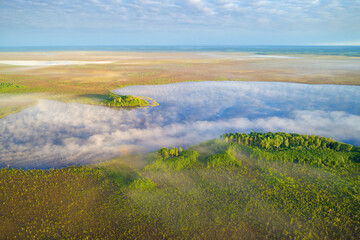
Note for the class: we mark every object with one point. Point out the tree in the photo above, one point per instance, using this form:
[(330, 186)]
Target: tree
[(337, 146), (346, 147), (164, 152), (172, 152), (286, 143), (278, 140)]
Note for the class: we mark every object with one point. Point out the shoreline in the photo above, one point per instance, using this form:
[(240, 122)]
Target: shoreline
[(95, 99), (123, 69)]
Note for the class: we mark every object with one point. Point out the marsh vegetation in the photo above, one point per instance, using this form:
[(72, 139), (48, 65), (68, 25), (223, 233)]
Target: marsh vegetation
[(6, 87), (114, 100), (272, 185), (212, 190)]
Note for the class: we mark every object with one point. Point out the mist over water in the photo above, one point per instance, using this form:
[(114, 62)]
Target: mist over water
[(56, 134)]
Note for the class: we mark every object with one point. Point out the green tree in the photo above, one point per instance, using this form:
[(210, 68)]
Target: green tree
[(346, 147), (286, 143), (164, 152), (172, 152), (278, 140)]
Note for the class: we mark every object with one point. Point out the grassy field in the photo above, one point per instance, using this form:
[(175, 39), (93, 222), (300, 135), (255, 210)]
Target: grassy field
[(135, 68), (161, 68), (209, 191)]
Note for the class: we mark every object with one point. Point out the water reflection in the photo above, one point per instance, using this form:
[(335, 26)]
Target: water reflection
[(55, 134)]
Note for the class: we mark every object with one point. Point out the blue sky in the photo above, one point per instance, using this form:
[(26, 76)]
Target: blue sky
[(175, 22)]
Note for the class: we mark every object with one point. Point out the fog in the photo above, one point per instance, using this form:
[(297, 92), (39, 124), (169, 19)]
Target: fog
[(50, 63), (56, 134)]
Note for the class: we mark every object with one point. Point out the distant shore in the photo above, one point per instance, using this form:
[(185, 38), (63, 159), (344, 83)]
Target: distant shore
[(78, 74), (318, 50)]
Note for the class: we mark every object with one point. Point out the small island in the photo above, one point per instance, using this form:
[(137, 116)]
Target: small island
[(114, 100)]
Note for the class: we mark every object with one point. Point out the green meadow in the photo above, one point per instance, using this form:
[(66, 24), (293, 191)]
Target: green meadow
[(219, 189)]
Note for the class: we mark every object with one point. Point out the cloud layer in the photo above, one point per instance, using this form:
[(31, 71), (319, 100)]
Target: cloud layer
[(55, 134), (129, 17), (209, 12)]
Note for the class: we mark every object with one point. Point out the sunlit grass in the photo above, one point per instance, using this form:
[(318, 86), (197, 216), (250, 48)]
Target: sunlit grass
[(253, 199)]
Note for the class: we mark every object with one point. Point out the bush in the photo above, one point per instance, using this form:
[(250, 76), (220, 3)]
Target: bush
[(142, 184), (183, 160), (223, 160), (187, 160), (355, 157), (9, 87)]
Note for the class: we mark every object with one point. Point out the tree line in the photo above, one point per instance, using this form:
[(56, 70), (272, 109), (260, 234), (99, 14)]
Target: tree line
[(284, 140), (170, 152)]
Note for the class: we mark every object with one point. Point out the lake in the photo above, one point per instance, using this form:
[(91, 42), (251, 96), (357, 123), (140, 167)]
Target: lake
[(56, 134)]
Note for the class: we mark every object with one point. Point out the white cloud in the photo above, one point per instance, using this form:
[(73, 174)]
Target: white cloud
[(162, 14), (315, 2), (177, 22), (342, 43), (201, 6)]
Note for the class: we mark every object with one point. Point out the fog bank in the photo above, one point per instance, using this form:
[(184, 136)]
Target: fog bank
[(56, 134)]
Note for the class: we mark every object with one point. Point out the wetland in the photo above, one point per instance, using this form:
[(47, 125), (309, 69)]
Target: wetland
[(230, 145)]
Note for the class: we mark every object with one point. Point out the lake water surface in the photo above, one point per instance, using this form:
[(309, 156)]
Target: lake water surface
[(56, 134)]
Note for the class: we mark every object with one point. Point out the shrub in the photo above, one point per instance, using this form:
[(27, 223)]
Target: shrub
[(184, 159), (223, 160), (142, 184), (187, 160)]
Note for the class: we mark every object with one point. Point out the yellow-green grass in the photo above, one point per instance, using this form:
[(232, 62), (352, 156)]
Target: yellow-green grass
[(162, 68), (61, 204), (6, 110), (11, 103), (125, 199)]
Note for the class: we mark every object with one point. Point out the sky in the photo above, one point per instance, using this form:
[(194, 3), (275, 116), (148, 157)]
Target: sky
[(179, 22)]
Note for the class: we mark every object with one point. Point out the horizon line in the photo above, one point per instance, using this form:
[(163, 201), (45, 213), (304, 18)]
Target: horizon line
[(190, 45)]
